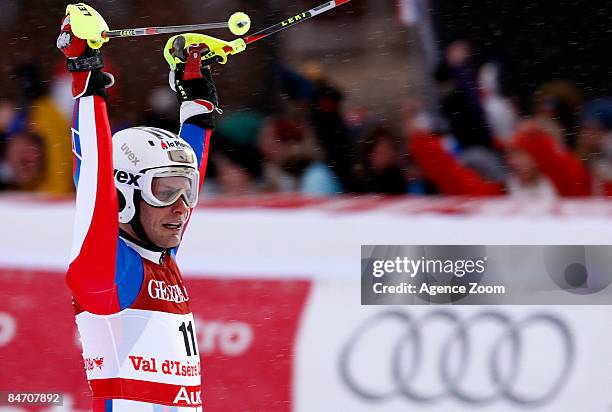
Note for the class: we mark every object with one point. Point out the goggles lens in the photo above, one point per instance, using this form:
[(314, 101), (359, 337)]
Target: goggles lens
[(166, 187)]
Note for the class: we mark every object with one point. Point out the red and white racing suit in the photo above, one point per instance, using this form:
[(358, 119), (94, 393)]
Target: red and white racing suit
[(132, 307)]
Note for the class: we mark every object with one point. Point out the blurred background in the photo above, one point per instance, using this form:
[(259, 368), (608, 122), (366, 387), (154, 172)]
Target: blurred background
[(380, 122), (396, 97)]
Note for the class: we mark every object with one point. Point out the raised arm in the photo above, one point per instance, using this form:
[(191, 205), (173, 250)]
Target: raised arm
[(197, 95), (91, 273)]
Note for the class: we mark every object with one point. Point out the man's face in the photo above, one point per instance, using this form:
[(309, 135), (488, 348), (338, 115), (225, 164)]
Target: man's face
[(164, 225)]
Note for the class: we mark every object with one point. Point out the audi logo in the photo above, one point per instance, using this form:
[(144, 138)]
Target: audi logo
[(460, 363)]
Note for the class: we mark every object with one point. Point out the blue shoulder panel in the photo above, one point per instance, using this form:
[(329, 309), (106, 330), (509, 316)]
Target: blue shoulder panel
[(195, 136), (129, 274)]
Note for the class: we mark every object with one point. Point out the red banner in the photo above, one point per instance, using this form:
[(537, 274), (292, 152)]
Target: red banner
[(246, 335)]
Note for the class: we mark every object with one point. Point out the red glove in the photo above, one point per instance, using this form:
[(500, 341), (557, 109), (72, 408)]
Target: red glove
[(68, 43), (84, 63)]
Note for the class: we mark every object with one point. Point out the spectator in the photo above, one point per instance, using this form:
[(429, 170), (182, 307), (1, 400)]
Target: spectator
[(594, 144), (379, 167), (7, 118), (554, 160), (292, 160), (414, 116), (323, 103), (242, 127), (460, 101), (23, 162), (47, 121), (556, 105), (500, 113), (539, 167), (331, 130), (444, 170), (236, 168), (486, 162), (525, 180)]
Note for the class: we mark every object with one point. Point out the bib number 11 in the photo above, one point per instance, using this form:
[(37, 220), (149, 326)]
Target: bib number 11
[(184, 328)]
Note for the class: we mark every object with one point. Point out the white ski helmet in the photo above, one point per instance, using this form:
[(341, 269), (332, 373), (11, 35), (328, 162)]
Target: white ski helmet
[(141, 155)]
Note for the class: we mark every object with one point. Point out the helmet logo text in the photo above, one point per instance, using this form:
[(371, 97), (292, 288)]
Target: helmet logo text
[(127, 178), (167, 144), (130, 154)]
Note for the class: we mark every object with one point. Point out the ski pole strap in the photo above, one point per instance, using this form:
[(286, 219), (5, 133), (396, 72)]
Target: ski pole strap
[(85, 64), (214, 59)]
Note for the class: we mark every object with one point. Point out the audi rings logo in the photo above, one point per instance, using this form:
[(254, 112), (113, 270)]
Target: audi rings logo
[(505, 364)]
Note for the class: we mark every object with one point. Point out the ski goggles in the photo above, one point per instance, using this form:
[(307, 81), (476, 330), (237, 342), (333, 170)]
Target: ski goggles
[(164, 186)]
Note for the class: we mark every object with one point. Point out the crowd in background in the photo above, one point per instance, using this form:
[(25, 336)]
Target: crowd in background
[(477, 143)]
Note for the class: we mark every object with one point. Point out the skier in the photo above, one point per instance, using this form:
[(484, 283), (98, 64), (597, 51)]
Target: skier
[(135, 193)]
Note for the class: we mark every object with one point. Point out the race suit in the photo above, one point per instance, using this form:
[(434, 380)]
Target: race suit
[(132, 307)]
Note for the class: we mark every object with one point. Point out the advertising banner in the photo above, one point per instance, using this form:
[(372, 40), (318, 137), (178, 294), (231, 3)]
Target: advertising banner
[(275, 288), (450, 358), (245, 331)]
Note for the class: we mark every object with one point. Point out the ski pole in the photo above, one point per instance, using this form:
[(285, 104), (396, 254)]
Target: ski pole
[(89, 25), (219, 54), (292, 21), (241, 23)]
